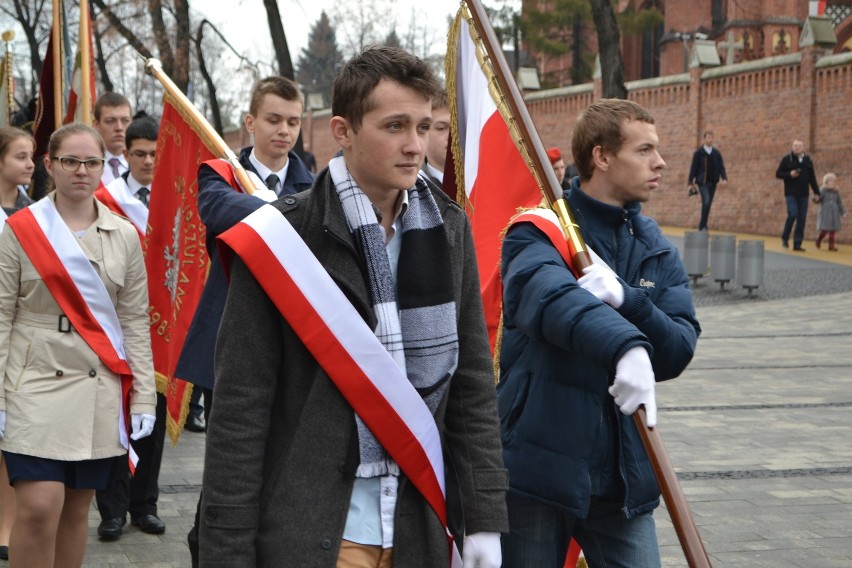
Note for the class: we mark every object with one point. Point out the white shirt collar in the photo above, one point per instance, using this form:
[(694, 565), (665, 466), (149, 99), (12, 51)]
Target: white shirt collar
[(437, 174), (263, 172), (708, 149), (108, 156), (134, 185)]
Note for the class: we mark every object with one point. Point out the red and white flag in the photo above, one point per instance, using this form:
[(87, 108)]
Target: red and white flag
[(493, 179), (80, 104)]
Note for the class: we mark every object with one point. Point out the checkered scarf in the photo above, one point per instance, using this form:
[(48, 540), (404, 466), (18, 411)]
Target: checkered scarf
[(417, 318)]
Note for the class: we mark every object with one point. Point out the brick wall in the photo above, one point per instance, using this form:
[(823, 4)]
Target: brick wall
[(755, 109)]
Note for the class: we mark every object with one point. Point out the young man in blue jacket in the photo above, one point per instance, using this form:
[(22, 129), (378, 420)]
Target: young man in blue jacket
[(578, 356)]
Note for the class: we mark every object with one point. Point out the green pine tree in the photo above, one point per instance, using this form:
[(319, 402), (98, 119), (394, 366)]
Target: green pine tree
[(319, 61)]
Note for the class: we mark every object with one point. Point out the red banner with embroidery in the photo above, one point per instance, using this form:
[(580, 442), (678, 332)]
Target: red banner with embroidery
[(176, 258)]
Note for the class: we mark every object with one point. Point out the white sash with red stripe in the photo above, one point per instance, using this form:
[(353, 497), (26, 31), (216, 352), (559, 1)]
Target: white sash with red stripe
[(127, 203), (77, 288), (548, 223), (346, 348)]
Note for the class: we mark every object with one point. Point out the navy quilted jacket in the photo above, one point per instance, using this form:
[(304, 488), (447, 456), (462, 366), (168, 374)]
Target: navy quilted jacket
[(563, 436)]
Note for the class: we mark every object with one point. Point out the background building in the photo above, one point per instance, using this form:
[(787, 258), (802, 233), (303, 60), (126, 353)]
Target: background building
[(743, 30)]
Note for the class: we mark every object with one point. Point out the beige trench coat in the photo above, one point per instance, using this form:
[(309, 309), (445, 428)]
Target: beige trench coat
[(61, 401)]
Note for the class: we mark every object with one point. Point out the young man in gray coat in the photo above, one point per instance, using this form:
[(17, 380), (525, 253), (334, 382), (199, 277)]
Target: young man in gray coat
[(293, 474)]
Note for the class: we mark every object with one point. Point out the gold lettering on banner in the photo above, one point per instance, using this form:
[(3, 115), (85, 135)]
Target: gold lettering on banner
[(159, 325)]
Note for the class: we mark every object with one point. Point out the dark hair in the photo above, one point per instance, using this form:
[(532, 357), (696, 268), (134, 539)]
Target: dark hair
[(59, 135), (9, 134), (275, 85), (600, 125), (109, 100), (352, 93), (145, 128)]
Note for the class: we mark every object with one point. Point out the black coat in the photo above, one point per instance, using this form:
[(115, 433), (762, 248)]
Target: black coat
[(798, 186), (281, 440), (707, 168)]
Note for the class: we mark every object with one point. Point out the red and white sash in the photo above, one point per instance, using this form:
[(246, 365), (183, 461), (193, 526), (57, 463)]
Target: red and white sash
[(346, 348), (79, 291), (226, 170), (548, 223), (117, 197)]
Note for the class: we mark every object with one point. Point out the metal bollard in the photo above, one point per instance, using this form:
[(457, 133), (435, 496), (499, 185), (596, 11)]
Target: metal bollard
[(695, 246), (723, 258), (751, 265)]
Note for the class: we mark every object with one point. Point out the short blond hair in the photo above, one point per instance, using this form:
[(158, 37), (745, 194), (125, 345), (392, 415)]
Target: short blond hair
[(828, 176)]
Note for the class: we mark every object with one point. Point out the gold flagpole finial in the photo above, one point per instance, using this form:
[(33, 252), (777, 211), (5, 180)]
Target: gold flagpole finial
[(8, 35)]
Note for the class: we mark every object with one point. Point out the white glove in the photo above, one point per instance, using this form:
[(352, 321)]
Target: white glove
[(482, 550), (2, 424), (601, 281), (634, 385), (142, 425)]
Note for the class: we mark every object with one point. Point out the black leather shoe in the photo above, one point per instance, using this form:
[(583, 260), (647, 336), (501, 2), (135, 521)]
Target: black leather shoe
[(4, 552), (799, 249), (110, 529), (150, 524), (195, 424)]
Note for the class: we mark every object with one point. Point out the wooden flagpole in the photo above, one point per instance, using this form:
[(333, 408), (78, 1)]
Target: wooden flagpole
[(58, 75), (85, 62), (687, 532), (8, 36), (197, 121)]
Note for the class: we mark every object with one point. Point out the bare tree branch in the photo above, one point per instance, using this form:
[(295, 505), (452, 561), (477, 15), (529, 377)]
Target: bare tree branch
[(211, 86), (161, 38), (279, 39), (123, 30)]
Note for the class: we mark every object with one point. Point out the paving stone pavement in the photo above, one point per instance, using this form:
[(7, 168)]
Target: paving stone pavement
[(758, 429)]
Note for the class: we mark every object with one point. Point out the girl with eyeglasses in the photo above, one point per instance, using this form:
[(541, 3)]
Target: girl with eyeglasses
[(75, 353)]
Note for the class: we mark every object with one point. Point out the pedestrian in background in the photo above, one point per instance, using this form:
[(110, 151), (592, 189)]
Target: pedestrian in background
[(831, 209), (16, 171), (797, 171), (707, 170)]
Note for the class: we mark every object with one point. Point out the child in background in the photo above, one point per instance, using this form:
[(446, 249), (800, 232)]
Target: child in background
[(16, 171), (830, 211)]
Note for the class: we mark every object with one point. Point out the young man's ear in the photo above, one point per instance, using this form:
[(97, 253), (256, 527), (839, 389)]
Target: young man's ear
[(250, 123), (341, 131), (600, 158)]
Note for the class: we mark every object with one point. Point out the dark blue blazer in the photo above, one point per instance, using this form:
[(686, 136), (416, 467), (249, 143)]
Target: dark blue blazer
[(220, 208)]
